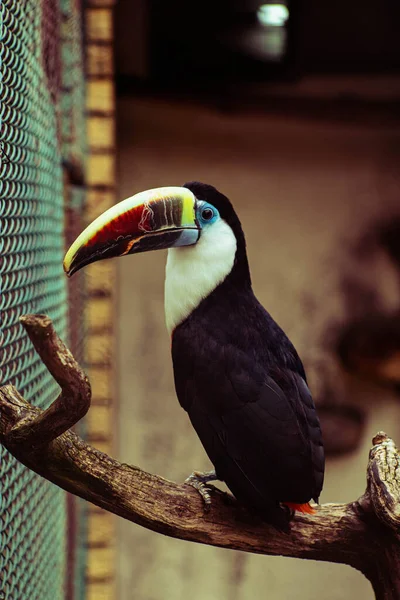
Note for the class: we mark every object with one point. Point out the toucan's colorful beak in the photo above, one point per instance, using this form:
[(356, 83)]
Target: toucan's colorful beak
[(154, 219)]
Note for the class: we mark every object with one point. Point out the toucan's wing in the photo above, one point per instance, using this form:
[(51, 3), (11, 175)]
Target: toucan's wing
[(260, 438), (299, 395)]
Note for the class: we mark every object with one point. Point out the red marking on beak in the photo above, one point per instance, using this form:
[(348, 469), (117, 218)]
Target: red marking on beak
[(133, 221)]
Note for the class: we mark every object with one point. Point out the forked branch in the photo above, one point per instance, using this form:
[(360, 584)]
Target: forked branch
[(363, 534)]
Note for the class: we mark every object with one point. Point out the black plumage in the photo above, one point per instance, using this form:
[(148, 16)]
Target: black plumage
[(244, 387)]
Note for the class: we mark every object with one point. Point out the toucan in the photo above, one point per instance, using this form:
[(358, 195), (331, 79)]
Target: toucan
[(236, 373)]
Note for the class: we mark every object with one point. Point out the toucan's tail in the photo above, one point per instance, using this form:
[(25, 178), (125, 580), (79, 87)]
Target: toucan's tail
[(303, 508)]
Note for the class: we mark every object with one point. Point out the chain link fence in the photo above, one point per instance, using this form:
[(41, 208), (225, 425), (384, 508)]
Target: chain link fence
[(42, 133)]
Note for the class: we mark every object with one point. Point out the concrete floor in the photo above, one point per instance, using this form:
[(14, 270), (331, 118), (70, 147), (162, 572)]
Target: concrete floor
[(300, 188)]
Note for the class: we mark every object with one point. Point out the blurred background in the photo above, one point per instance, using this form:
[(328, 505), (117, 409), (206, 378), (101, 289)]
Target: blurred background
[(292, 111)]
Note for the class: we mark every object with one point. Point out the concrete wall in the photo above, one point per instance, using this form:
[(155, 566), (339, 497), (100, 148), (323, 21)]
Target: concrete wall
[(302, 190)]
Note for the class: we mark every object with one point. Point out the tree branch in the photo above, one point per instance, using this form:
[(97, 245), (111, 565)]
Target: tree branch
[(37, 431), (363, 534)]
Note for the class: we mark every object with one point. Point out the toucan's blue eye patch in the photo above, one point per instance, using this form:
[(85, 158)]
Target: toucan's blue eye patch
[(206, 213)]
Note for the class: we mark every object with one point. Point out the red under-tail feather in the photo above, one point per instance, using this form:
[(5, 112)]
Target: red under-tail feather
[(303, 508)]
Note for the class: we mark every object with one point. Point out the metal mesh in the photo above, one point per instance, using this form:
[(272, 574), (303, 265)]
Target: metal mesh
[(73, 149), (73, 85), (77, 532), (32, 511)]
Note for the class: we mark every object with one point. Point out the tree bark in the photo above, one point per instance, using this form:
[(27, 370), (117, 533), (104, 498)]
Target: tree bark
[(364, 534)]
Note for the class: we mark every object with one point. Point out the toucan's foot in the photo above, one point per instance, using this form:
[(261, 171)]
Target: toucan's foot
[(198, 480), (290, 512)]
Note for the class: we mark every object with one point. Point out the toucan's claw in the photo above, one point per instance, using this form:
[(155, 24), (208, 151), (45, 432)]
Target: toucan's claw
[(290, 512), (198, 480)]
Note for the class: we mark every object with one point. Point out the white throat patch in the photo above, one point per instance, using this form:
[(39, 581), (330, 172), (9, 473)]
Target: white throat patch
[(193, 272)]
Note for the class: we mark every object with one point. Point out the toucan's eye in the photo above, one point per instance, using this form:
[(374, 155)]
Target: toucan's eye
[(207, 214)]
